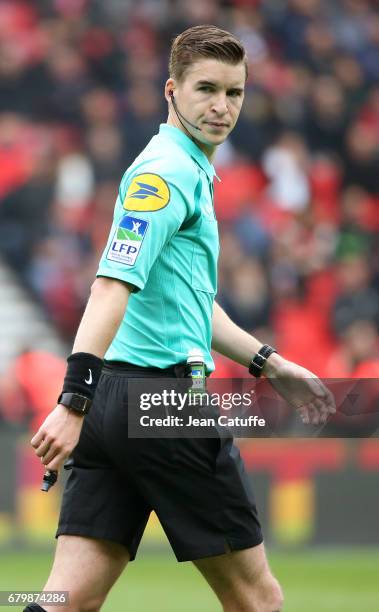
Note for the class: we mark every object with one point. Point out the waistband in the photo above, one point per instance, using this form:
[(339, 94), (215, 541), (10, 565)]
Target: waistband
[(180, 370)]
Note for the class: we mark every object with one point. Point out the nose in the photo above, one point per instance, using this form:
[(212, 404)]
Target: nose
[(219, 104)]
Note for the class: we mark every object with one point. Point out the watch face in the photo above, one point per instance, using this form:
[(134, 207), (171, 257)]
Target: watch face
[(76, 402)]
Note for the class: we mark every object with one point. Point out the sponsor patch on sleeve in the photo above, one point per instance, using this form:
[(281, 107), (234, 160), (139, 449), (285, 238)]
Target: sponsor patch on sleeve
[(127, 240), (147, 192)]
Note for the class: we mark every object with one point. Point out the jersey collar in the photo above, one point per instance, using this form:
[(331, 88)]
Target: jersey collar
[(190, 147)]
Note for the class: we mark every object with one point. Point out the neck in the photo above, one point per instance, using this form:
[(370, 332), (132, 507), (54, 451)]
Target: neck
[(207, 149)]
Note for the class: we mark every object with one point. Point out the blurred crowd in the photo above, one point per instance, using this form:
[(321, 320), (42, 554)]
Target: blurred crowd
[(81, 93)]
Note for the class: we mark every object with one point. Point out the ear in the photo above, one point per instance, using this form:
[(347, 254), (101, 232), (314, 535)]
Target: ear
[(169, 87)]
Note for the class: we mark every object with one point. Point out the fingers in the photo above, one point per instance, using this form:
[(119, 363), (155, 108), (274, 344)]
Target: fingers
[(54, 458), (48, 451), (43, 447), (325, 405), (316, 412), (310, 415), (322, 403), (37, 439), (304, 414), (319, 411), (52, 455), (322, 393), (331, 402), (57, 463)]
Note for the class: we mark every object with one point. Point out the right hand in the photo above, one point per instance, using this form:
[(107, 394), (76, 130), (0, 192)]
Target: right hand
[(57, 437)]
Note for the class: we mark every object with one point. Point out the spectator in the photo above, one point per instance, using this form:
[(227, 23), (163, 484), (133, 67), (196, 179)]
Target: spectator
[(24, 211), (357, 298), (326, 120), (248, 298), (361, 158), (286, 166)]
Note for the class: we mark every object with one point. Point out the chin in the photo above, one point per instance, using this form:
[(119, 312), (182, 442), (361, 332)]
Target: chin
[(218, 137), (214, 138), (217, 140)]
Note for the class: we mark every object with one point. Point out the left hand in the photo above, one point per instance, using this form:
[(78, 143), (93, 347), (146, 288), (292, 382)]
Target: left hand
[(301, 389)]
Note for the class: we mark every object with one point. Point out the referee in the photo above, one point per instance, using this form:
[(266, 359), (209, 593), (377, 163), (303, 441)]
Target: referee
[(151, 303)]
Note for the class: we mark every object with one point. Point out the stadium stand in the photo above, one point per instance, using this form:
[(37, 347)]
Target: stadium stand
[(81, 93)]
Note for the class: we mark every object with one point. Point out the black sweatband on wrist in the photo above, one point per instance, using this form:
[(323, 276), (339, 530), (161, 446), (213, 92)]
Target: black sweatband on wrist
[(82, 374), (259, 360)]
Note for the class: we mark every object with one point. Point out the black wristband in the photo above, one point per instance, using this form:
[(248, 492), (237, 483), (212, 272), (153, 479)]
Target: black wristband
[(258, 362), (82, 374)]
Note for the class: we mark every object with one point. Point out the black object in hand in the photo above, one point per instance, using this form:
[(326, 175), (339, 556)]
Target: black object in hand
[(49, 479)]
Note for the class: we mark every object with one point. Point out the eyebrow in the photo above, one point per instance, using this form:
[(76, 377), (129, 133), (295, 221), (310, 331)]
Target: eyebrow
[(215, 84)]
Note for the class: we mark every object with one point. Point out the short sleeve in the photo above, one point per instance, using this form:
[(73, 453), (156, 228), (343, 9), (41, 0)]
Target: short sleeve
[(152, 204)]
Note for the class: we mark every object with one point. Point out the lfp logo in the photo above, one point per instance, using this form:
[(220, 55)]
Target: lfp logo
[(127, 240)]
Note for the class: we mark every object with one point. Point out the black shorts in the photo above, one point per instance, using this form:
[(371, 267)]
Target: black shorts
[(197, 487)]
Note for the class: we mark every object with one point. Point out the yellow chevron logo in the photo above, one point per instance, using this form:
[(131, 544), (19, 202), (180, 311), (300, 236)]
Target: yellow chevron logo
[(147, 192)]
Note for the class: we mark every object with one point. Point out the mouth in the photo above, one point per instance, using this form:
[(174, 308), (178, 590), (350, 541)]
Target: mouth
[(217, 124)]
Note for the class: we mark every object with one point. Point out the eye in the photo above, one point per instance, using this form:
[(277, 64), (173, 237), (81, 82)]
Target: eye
[(205, 88), (234, 93)]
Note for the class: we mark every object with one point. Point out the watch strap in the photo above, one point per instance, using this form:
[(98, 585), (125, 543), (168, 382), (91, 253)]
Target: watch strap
[(258, 362), (76, 402)]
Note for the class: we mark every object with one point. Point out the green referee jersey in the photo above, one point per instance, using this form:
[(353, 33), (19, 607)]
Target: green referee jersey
[(164, 241)]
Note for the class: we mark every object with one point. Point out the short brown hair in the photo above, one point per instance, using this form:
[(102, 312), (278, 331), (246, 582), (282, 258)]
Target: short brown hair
[(204, 41)]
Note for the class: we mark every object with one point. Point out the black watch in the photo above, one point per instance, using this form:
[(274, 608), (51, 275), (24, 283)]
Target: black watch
[(258, 362), (74, 401)]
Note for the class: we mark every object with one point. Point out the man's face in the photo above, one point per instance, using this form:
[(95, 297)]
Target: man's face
[(210, 96)]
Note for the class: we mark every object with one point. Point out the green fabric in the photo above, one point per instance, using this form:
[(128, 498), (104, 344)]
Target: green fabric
[(169, 254)]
